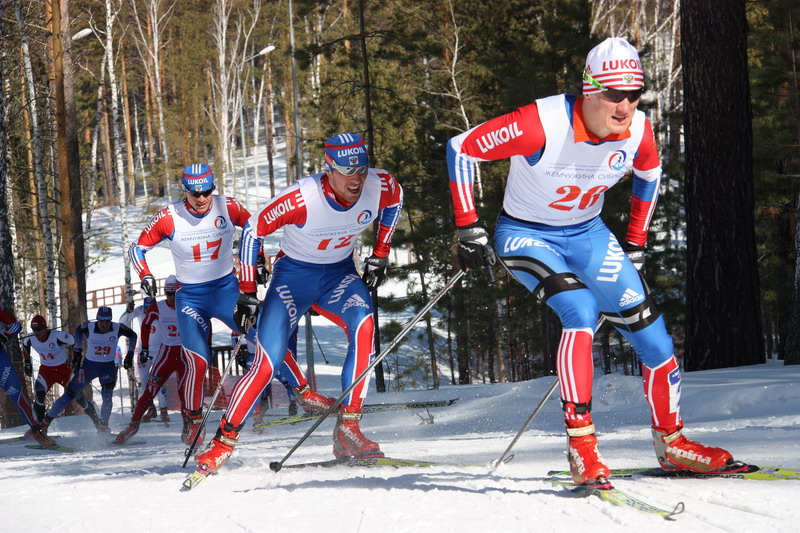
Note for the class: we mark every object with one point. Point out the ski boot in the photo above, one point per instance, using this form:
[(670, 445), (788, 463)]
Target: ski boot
[(675, 452), (313, 402), (42, 426), (220, 448), (586, 464), (293, 409), (164, 415), (347, 437), (150, 414), (127, 433), (193, 427), (41, 438)]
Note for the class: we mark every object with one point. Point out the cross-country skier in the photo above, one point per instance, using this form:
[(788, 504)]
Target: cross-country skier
[(55, 353), (565, 153), (133, 317), (321, 216), (160, 332), (200, 229), (9, 379), (102, 336)]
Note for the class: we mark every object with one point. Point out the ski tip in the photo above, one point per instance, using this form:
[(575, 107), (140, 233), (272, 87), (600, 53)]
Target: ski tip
[(275, 466)]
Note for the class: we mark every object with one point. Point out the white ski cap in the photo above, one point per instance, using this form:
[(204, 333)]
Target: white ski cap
[(613, 64)]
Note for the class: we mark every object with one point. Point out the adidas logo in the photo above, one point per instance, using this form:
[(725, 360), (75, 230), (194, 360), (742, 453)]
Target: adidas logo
[(354, 301), (630, 296)]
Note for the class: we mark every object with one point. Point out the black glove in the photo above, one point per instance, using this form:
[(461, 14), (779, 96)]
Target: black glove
[(636, 254), (262, 274), (3, 339), (474, 250), (28, 368), (246, 311), (127, 363), (144, 355), (241, 356), (374, 271), (77, 359), (149, 287)]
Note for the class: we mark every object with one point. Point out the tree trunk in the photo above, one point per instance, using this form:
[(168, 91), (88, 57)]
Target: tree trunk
[(41, 183), (723, 316), (72, 274)]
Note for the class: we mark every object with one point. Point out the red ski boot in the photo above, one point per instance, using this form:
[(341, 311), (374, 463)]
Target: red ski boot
[(41, 438), (676, 452), (347, 437), (313, 402), (127, 433), (220, 448), (193, 427)]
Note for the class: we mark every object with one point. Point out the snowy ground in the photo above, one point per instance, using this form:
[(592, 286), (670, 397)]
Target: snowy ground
[(753, 411)]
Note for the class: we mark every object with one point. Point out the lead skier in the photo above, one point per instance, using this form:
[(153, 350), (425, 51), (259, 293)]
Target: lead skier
[(566, 152)]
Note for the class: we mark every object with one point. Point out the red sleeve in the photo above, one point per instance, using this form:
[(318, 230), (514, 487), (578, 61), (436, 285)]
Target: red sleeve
[(391, 207), (237, 212), (286, 208), (150, 316), (160, 227)]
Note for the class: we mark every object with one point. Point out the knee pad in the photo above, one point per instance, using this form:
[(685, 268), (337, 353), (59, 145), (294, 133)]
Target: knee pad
[(636, 318)]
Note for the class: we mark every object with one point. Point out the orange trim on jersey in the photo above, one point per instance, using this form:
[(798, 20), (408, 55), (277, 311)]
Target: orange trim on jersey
[(582, 134)]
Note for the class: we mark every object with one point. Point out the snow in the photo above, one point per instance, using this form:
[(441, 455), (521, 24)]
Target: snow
[(752, 411)]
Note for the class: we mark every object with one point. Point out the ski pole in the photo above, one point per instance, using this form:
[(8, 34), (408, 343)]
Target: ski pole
[(505, 457), (277, 465), (527, 423), (225, 372), (320, 347)]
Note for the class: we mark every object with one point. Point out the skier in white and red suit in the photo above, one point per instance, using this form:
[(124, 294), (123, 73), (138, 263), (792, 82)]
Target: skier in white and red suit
[(159, 330), (55, 354), (200, 229), (321, 216), (565, 153)]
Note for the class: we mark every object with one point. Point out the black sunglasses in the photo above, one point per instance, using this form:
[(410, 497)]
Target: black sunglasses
[(616, 96), (198, 194)]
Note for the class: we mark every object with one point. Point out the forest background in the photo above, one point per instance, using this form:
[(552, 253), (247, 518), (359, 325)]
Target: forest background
[(129, 91)]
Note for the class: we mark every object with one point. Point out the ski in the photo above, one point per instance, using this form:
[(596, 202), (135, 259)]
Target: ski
[(198, 476), (128, 443), (615, 496), (23, 439), (369, 408), (745, 471), (56, 448), (375, 461)]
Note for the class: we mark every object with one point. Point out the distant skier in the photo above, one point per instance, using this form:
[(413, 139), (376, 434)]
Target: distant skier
[(102, 336), (565, 153), (200, 229), (55, 353), (159, 331), (9, 379), (321, 216)]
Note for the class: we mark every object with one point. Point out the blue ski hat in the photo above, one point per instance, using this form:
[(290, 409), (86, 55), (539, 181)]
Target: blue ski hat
[(346, 151), (198, 178), (104, 313)]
